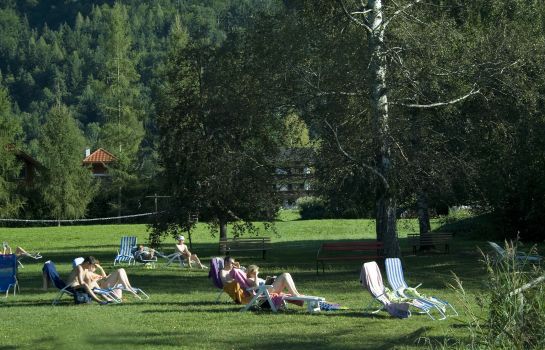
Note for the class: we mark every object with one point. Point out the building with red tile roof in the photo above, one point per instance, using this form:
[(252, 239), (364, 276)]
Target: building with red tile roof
[(99, 160)]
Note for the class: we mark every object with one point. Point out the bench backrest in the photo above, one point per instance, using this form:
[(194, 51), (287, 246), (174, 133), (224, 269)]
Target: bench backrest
[(241, 243), (351, 246), (430, 237)]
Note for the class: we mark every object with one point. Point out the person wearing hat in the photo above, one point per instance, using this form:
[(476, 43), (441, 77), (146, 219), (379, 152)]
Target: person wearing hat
[(184, 251)]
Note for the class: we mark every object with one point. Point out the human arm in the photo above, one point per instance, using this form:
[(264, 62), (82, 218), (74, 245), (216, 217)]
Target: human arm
[(100, 270)]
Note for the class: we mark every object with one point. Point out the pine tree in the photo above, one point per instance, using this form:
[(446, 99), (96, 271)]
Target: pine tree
[(10, 134), (67, 186)]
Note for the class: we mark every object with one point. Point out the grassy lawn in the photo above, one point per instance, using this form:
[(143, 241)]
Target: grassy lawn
[(182, 312)]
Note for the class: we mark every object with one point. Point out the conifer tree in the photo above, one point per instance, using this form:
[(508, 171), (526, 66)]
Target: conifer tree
[(67, 186)]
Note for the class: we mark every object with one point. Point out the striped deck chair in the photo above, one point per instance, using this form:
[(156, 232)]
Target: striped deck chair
[(8, 273), (371, 279), (394, 273), (126, 250)]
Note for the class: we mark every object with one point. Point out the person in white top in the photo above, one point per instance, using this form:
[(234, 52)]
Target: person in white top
[(184, 251)]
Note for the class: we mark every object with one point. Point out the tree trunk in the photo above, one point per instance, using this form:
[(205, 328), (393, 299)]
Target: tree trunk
[(223, 230), (423, 212), (386, 206), (223, 233)]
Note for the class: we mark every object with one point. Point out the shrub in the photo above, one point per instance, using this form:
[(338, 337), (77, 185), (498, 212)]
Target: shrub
[(311, 207)]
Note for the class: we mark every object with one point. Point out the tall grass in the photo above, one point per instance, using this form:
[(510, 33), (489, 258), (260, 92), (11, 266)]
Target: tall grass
[(514, 304)]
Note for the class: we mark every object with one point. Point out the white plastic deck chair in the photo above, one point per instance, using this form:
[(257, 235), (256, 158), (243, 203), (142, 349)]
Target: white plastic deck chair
[(8, 273), (371, 279), (396, 280), (175, 257), (262, 295), (125, 252), (520, 257)]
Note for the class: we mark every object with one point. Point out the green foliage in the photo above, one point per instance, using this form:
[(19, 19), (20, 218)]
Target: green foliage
[(311, 207), (10, 135), (513, 320), (66, 186)]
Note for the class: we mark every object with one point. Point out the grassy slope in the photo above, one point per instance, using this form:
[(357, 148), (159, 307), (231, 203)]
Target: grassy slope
[(182, 313)]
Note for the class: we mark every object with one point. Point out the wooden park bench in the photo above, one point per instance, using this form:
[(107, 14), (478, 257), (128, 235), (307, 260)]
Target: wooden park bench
[(430, 239), (245, 245), (345, 251)]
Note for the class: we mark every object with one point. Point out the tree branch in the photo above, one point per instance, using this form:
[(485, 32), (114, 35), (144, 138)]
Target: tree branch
[(352, 159), (354, 19), (438, 104), (401, 10)]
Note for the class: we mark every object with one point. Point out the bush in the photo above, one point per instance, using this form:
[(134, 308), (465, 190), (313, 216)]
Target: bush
[(311, 208)]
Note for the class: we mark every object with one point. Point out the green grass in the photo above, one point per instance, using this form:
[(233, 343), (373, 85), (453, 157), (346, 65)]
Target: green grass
[(182, 312)]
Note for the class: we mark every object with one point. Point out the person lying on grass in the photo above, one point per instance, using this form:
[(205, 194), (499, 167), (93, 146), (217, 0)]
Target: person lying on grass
[(184, 251), (91, 266)]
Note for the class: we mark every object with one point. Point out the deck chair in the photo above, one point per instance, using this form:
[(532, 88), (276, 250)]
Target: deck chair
[(126, 250), (394, 274), (176, 257), (120, 287), (216, 264), (6, 249), (139, 258), (261, 296), (8, 273), (519, 256), (50, 273), (371, 279)]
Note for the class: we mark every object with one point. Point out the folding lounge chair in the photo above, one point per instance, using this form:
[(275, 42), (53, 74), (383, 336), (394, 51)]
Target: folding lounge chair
[(520, 257), (6, 249), (275, 301), (126, 250), (138, 258), (394, 273), (216, 264), (50, 271), (79, 260), (8, 273), (371, 279), (176, 257)]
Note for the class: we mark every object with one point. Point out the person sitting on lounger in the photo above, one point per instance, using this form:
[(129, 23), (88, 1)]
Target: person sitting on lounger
[(182, 249), (102, 280), (19, 251), (279, 285), (144, 253), (80, 278)]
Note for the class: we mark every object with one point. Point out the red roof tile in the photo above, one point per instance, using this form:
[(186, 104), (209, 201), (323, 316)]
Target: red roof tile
[(99, 156)]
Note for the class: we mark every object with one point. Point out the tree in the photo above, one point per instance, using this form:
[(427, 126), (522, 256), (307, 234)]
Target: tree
[(10, 139), (67, 187), (218, 145)]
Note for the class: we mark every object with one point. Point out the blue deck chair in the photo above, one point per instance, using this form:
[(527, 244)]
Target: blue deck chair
[(371, 279), (8, 273), (126, 250), (50, 271), (519, 256), (394, 272)]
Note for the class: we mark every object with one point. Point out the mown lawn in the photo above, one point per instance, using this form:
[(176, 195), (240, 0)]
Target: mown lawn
[(182, 312)]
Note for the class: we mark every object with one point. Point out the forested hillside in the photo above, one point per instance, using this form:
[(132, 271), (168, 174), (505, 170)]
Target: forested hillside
[(408, 104)]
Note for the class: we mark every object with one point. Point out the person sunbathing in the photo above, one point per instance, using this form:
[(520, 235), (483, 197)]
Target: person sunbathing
[(19, 251), (182, 249), (80, 279), (282, 283), (144, 253), (102, 280)]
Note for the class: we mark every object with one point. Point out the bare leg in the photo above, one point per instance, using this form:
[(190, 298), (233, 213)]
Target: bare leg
[(20, 251), (196, 259), (284, 281), (118, 277)]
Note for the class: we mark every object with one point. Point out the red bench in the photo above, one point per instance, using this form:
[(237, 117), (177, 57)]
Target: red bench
[(344, 251)]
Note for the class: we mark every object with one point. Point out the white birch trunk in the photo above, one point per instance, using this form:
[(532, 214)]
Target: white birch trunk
[(386, 206)]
